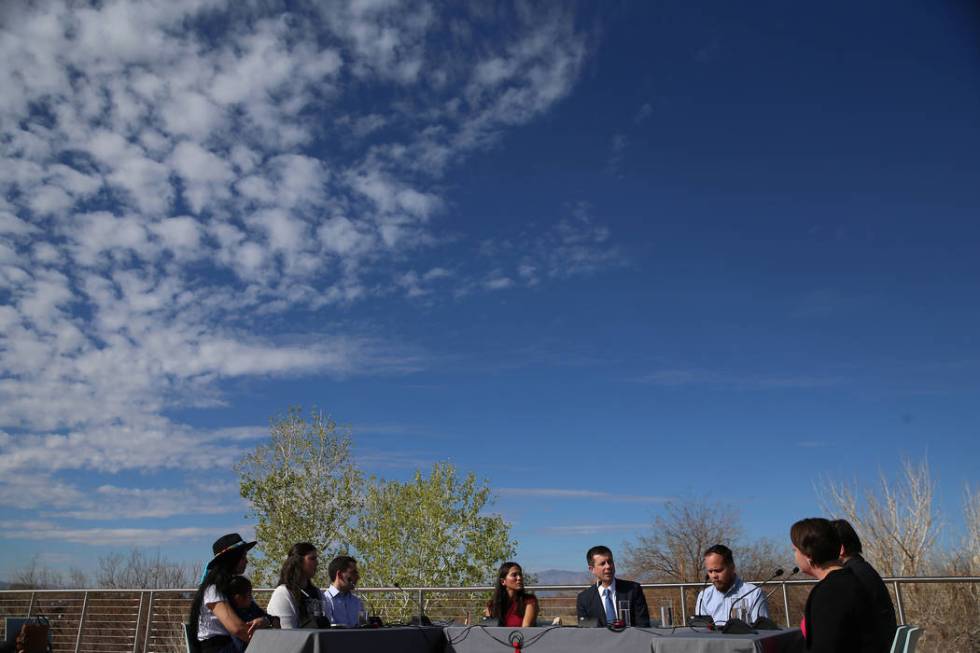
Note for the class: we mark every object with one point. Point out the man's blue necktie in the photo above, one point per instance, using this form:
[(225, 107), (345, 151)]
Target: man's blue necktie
[(610, 610)]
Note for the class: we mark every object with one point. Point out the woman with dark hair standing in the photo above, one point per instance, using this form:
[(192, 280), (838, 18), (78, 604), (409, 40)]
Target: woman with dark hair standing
[(511, 605), (212, 613), (838, 616), (296, 600)]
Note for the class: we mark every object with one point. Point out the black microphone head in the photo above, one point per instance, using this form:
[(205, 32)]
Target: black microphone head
[(796, 570), (779, 572)]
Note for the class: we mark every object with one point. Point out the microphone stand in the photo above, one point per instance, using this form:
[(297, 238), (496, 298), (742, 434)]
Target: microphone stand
[(420, 619), (373, 619), (698, 619), (765, 623), (736, 626)]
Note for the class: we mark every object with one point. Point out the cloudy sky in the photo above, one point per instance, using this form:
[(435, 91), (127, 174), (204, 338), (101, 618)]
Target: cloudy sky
[(601, 254)]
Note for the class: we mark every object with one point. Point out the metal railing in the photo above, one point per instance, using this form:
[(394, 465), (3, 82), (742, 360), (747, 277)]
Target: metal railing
[(149, 621)]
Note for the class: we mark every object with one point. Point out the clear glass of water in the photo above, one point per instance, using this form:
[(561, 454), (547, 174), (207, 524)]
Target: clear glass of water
[(740, 611), (624, 613), (667, 615)]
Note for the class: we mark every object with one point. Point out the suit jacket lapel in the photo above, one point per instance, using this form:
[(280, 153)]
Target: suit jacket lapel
[(602, 607)]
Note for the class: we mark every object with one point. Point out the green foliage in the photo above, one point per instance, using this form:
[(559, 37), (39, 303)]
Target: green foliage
[(303, 486), (430, 532)]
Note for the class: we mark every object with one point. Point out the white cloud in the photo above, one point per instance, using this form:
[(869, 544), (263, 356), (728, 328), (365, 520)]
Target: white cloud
[(498, 283), (568, 493), (191, 114), (680, 377), (573, 246), (181, 235), (168, 186), (644, 112), (205, 176), (47, 531), (341, 236), (592, 529)]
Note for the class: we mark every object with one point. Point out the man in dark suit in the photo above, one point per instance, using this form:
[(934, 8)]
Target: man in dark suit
[(601, 601)]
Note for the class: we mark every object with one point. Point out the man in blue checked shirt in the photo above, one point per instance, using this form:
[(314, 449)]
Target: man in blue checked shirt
[(729, 596), (344, 608)]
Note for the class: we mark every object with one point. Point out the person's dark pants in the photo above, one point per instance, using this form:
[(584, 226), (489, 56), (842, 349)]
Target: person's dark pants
[(219, 644)]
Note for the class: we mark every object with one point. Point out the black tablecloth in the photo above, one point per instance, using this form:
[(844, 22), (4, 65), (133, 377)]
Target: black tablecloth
[(407, 639)]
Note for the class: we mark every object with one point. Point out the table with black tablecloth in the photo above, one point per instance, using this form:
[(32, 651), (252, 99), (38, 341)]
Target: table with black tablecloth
[(403, 639), (478, 639)]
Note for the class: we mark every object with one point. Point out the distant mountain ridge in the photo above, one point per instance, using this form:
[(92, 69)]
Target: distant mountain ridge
[(561, 577)]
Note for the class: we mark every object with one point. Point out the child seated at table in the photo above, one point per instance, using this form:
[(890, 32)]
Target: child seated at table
[(240, 589)]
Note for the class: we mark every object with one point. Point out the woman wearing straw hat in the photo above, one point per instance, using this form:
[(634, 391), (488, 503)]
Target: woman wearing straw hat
[(211, 611)]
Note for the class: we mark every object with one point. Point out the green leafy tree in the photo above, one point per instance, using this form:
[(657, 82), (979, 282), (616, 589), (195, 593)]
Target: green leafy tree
[(303, 486), (430, 531)]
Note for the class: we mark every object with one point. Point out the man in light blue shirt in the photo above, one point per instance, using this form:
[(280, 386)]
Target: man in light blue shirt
[(344, 608), (729, 596)]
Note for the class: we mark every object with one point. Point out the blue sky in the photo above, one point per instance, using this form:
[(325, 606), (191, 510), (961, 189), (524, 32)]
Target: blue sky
[(603, 255)]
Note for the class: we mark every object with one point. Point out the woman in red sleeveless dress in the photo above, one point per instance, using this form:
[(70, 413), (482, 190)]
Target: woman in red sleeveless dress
[(511, 605)]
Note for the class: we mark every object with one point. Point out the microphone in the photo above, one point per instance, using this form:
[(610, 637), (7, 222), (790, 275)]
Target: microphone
[(778, 572), (701, 593), (792, 573), (698, 619), (738, 626)]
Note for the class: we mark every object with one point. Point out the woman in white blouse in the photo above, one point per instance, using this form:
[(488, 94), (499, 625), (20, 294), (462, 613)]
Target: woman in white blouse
[(211, 610), (297, 601)]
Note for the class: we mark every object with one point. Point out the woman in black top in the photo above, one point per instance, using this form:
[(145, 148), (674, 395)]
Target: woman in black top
[(838, 616), (881, 600)]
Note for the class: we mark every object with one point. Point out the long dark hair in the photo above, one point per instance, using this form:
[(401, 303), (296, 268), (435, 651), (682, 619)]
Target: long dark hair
[(500, 603), (219, 575), (292, 576)]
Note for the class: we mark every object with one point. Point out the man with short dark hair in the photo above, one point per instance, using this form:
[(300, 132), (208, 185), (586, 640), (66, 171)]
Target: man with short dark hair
[(601, 601), (343, 606), (881, 600), (728, 592)]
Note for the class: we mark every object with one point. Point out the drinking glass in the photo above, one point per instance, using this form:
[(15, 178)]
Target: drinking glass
[(624, 613), (667, 615), (740, 611)]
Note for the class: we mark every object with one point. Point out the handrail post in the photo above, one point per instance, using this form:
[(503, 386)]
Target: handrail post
[(683, 606), (421, 604), (30, 606), (149, 623), (81, 623), (136, 629), (898, 603), (786, 603)]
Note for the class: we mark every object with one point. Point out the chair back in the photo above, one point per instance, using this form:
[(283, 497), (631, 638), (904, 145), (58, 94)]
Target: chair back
[(912, 639), (901, 636), (190, 639), (12, 626)]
